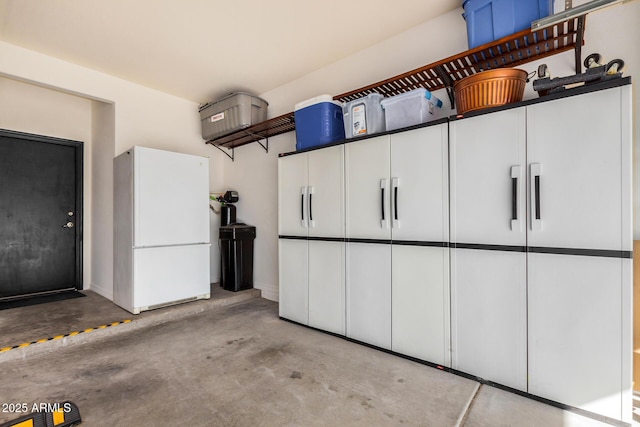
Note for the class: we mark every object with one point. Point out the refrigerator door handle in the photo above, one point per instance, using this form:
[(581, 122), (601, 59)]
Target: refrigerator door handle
[(394, 185), (384, 223), (312, 223), (534, 190), (303, 192), (516, 222)]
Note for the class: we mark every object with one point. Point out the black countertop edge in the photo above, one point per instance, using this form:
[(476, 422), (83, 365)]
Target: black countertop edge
[(587, 88)]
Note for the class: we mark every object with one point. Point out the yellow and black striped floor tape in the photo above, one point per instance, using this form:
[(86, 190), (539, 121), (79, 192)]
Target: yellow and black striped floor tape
[(66, 414), (58, 337)]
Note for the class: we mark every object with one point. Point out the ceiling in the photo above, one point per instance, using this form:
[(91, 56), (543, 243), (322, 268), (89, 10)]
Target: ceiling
[(202, 49)]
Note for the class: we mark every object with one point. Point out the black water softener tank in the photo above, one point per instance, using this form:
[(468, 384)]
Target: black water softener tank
[(227, 214), (236, 250), (236, 247)]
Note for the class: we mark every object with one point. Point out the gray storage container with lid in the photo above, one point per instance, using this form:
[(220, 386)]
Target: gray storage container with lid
[(363, 116), (233, 112)]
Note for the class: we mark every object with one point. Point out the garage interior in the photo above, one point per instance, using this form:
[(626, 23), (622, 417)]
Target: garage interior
[(236, 363), (114, 76)]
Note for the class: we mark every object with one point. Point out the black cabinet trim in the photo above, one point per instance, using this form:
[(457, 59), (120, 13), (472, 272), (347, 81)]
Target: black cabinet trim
[(607, 253), (485, 247), (420, 243)]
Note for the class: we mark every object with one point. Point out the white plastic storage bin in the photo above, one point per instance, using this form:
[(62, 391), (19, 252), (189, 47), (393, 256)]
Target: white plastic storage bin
[(235, 111), (410, 108), (363, 116)]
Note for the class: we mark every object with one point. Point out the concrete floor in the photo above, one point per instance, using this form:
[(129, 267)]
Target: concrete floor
[(33, 323), (240, 365)]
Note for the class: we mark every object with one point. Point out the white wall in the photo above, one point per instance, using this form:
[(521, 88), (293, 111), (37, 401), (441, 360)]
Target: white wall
[(146, 117), (613, 32), (103, 136), (123, 114), (32, 109), (254, 174)]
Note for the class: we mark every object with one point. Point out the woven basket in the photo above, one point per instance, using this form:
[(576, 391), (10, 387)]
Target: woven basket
[(490, 88)]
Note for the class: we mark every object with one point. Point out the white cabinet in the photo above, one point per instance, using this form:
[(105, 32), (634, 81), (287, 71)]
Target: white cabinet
[(294, 280), (293, 179), (311, 193), (419, 184), (368, 266), (369, 293), (367, 181), (419, 252), (574, 144), (579, 281), (311, 205), (326, 286), (541, 224), (488, 287), (575, 337), (488, 165), (489, 315), (397, 221), (498, 244), (420, 302)]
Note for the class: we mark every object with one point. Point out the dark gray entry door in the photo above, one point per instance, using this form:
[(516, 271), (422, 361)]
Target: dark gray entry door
[(40, 214)]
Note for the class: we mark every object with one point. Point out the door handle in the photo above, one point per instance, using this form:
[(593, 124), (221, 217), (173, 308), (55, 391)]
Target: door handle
[(516, 223), (383, 186), (394, 185), (535, 192), (312, 223), (303, 192), (69, 224)]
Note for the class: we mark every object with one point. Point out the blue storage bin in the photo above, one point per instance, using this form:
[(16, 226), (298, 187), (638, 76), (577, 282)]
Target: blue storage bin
[(318, 122), (489, 20)]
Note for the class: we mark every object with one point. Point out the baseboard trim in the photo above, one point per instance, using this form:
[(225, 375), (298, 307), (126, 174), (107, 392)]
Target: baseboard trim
[(101, 290), (269, 291)]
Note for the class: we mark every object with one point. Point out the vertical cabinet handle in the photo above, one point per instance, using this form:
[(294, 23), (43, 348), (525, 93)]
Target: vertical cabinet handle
[(312, 223), (534, 190), (394, 185), (303, 192), (383, 186), (516, 223)]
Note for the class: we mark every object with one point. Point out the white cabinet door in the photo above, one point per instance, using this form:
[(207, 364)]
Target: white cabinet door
[(369, 293), (326, 286), (574, 148), (368, 186), (575, 319), (326, 192), (419, 184), (420, 303), (294, 280), (489, 315), (292, 195), (487, 177)]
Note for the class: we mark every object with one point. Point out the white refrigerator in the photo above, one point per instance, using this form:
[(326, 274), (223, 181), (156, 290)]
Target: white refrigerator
[(161, 242)]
